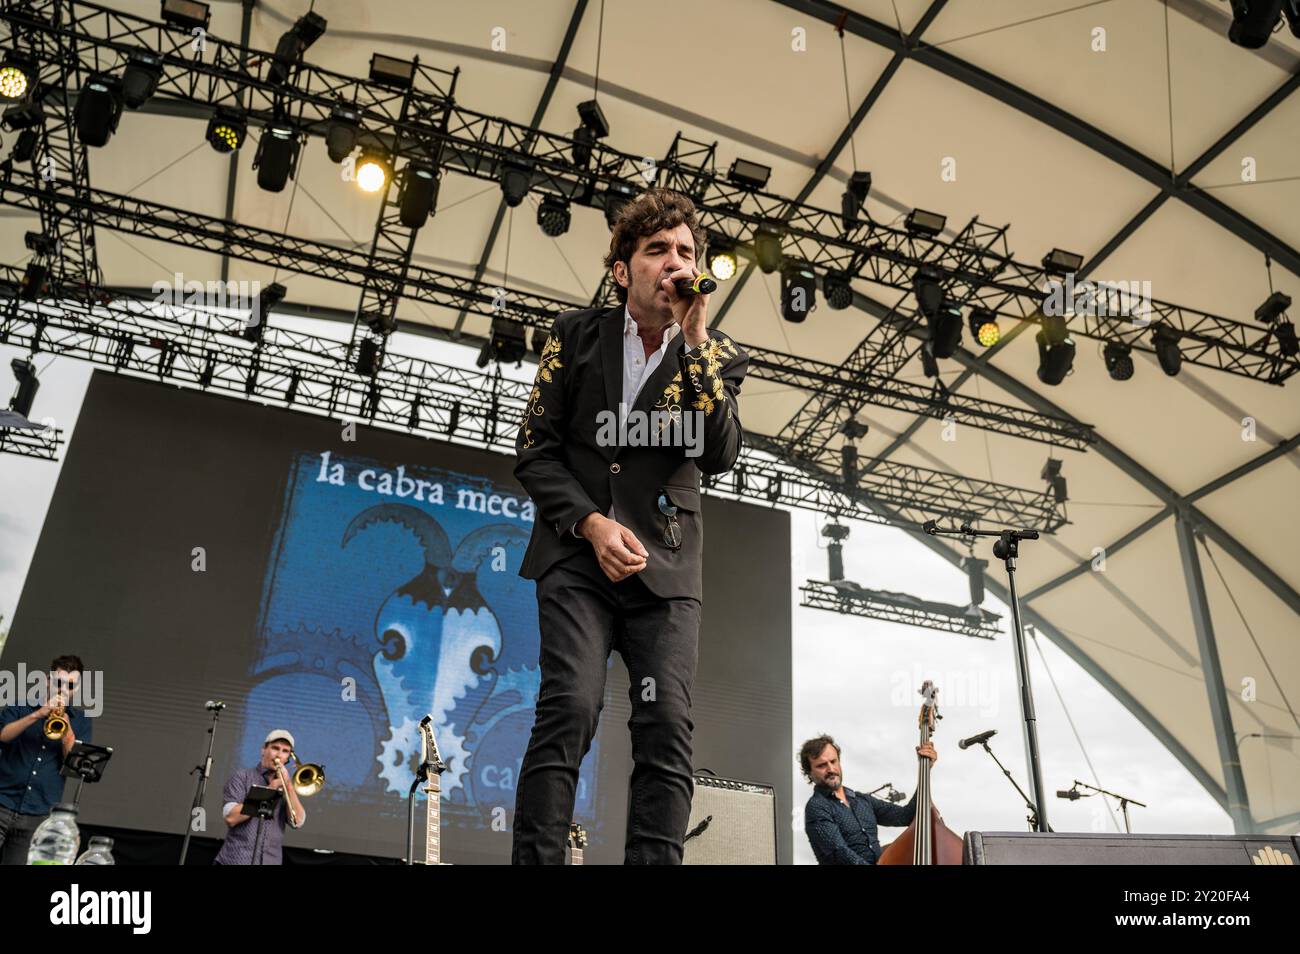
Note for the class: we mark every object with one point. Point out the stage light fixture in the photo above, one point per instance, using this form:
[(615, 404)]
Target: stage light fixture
[(277, 156), (984, 327), (419, 193), (721, 258), (28, 385), (1165, 341), (41, 244), (945, 329), (767, 250), (1061, 263), (837, 290), (798, 290), (141, 77), (368, 357), (226, 130), (99, 107), (17, 76), (516, 179), (505, 346), (1253, 22), (392, 72), (1119, 360), (853, 197), (553, 215), (927, 286), (593, 118), (341, 132), (267, 300), (34, 279), (308, 28), (25, 146), (1055, 350), (921, 222), (1284, 332), (382, 323), (1273, 307), (616, 198), (1056, 485), (24, 115), (186, 14), (372, 172), (748, 175), (583, 141), (929, 366)]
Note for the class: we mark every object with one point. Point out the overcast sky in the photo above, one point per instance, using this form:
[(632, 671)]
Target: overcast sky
[(854, 678)]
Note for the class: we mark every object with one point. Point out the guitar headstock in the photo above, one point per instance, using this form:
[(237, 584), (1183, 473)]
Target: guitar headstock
[(930, 707), (577, 836), (429, 747)]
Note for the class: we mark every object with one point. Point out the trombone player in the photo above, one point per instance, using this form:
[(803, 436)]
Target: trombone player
[(271, 772)]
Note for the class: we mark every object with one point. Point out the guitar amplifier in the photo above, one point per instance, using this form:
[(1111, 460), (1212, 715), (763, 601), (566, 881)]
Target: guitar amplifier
[(1048, 848), (732, 823)]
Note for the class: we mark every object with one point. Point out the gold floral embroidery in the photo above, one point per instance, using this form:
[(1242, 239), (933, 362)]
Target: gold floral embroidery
[(547, 365)]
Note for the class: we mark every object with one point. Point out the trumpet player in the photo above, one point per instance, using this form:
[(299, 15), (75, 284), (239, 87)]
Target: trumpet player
[(33, 743), (241, 834)]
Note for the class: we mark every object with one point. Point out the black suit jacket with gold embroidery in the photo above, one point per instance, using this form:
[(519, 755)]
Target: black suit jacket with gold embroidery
[(569, 474)]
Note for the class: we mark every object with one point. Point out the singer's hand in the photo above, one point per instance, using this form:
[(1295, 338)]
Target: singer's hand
[(928, 751), (618, 551), (690, 311)]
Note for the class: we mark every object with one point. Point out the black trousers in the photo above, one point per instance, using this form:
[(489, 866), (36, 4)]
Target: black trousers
[(582, 617)]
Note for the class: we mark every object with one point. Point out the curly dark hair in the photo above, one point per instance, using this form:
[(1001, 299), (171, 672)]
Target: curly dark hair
[(811, 749), (652, 211), (68, 663)]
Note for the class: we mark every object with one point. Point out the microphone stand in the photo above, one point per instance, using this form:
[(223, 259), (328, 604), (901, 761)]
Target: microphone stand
[(1007, 549), (1033, 810), (1124, 802), (205, 771)]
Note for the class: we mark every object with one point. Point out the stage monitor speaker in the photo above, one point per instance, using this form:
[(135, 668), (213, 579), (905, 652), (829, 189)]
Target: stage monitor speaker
[(732, 823), (1029, 848)]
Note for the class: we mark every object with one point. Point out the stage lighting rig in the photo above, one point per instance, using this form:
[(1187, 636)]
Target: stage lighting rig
[(373, 172), (226, 131), (798, 290), (1055, 350), (516, 180), (1119, 360), (837, 290), (277, 156), (984, 327), (341, 132), (767, 250), (309, 28), (748, 175), (852, 199), (1061, 263), (1056, 486), (616, 198), (141, 77), (1165, 341), (721, 257), (99, 107), (392, 72), (187, 15), (419, 193), (553, 215), (18, 75), (921, 222), (28, 384)]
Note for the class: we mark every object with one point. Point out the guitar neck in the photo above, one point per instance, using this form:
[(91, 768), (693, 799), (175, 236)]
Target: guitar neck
[(432, 834)]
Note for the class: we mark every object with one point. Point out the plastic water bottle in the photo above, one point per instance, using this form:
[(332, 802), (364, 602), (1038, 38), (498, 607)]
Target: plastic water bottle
[(56, 839), (100, 852)]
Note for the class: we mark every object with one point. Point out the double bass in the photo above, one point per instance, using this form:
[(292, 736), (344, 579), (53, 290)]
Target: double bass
[(927, 841)]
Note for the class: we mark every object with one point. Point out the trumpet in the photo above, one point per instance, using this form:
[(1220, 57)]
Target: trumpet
[(57, 724)]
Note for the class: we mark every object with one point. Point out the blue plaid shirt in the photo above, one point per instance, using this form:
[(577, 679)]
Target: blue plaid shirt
[(846, 834), (237, 849), (30, 783)]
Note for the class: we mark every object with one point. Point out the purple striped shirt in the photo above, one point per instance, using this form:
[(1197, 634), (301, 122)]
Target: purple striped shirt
[(238, 846)]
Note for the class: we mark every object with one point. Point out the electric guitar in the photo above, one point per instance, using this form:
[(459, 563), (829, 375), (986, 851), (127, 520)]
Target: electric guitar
[(432, 761), (577, 843)]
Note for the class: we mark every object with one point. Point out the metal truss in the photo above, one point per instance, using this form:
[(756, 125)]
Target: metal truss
[(480, 146), (41, 444), (852, 600)]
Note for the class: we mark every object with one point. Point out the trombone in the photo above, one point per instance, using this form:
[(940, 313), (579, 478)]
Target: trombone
[(308, 779)]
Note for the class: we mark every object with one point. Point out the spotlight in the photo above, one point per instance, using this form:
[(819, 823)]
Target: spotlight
[(341, 133), (1284, 332), (226, 130), (767, 250), (1055, 350), (506, 345), (24, 115), (798, 291), (515, 181), (390, 71), (838, 291), (1062, 263), (616, 198), (854, 196), (583, 140), (28, 385), (186, 14), (928, 288), (368, 357), (309, 28), (929, 367), (41, 244), (1253, 22), (33, 284), (382, 323), (748, 175), (419, 192), (1267, 313), (373, 172), (267, 300), (945, 329), (1056, 486), (1119, 360), (984, 327), (25, 146), (553, 215), (921, 222), (1165, 341), (721, 260), (99, 107), (593, 119), (17, 76), (277, 156), (141, 77)]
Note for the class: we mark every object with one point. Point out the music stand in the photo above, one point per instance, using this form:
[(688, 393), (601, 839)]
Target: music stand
[(263, 801), (85, 762)]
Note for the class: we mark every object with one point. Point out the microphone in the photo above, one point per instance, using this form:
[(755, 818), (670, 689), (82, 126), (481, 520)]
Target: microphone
[(977, 739), (1072, 795), (702, 285), (214, 706)]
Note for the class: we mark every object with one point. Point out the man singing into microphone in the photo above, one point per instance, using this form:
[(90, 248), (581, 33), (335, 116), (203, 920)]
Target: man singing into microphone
[(841, 823), (618, 543)]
